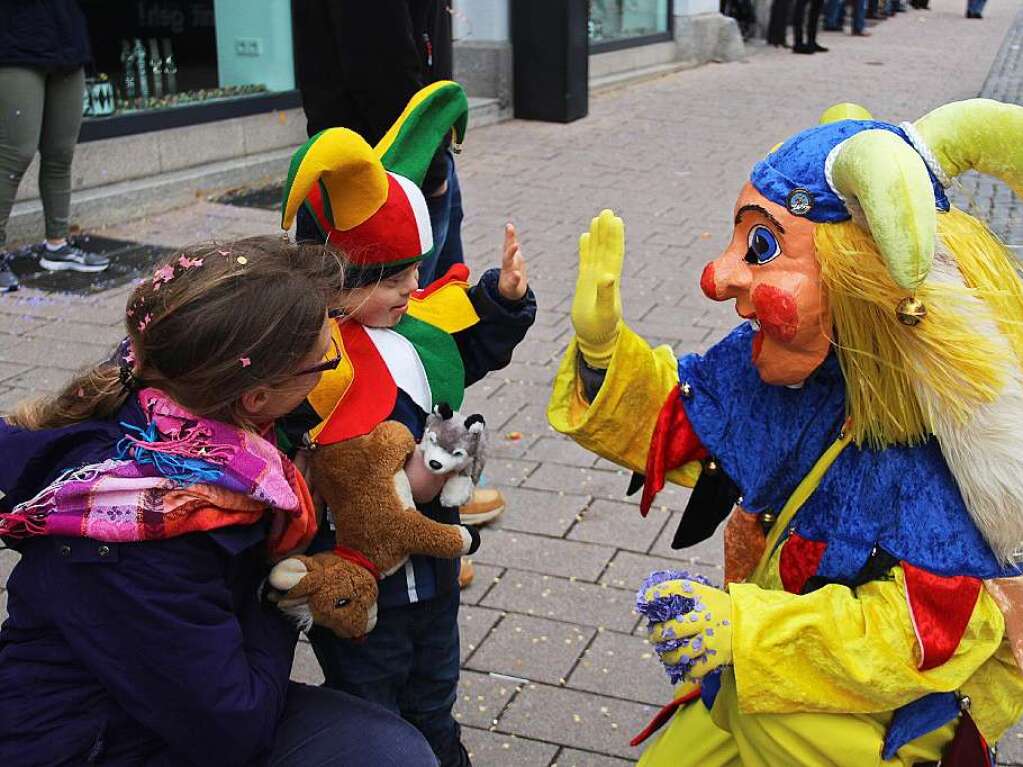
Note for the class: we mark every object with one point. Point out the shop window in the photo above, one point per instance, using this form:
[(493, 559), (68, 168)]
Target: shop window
[(157, 55), (625, 21)]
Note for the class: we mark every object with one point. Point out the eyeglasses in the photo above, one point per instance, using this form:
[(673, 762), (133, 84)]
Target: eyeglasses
[(331, 363)]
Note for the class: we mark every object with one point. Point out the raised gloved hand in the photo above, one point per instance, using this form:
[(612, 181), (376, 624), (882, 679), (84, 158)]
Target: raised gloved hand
[(597, 304), (689, 623)]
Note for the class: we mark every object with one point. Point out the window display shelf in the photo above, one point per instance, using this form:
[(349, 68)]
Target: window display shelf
[(127, 123)]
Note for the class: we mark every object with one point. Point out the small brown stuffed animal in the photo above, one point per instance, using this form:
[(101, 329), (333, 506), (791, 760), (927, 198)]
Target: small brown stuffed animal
[(377, 528)]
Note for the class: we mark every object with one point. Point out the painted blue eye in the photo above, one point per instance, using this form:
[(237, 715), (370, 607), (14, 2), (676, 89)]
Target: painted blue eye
[(763, 246)]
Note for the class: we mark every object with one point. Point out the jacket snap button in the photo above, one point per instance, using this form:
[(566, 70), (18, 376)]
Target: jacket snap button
[(103, 550), (65, 550)]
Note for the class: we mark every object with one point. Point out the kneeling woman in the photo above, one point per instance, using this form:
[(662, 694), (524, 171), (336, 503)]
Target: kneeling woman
[(147, 500)]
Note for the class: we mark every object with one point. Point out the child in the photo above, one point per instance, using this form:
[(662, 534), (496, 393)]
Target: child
[(405, 352), (144, 503)]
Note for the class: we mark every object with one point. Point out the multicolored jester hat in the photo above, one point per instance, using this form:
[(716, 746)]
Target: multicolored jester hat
[(868, 415), (366, 201)]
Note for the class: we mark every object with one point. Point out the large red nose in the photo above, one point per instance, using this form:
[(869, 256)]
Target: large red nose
[(707, 284)]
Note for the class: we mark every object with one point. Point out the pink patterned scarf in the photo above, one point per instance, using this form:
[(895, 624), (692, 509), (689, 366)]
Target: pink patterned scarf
[(179, 474)]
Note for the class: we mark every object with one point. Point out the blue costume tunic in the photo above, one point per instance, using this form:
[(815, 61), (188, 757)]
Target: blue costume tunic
[(767, 438)]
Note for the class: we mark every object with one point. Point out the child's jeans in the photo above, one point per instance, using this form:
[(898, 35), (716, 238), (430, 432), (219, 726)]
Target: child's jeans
[(408, 664)]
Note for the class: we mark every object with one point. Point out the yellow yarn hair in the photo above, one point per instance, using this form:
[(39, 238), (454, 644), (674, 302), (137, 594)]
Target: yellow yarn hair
[(884, 361)]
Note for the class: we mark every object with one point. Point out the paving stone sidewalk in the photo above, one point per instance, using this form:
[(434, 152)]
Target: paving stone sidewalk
[(556, 671)]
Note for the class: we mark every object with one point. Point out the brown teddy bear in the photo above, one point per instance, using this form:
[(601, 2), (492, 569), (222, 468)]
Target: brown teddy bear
[(377, 528)]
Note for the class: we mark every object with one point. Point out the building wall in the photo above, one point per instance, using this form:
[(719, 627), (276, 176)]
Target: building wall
[(110, 161)]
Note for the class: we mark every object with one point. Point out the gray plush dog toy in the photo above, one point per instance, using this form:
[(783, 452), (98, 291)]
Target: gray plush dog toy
[(453, 444)]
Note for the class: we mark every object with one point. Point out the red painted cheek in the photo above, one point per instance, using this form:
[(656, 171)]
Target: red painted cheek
[(707, 282), (776, 311)]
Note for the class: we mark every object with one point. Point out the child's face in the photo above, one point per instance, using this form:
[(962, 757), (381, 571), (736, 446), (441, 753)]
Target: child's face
[(382, 304)]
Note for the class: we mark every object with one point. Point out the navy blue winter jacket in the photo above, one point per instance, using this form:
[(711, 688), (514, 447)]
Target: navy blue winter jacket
[(47, 34), (155, 653)]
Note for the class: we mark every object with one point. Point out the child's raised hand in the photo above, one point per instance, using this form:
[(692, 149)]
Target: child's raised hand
[(513, 282)]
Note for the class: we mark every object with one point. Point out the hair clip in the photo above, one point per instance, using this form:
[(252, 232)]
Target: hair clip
[(125, 367), (163, 274), (245, 361)]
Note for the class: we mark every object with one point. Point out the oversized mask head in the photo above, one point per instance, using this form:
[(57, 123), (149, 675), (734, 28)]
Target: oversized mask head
[(864, 170)]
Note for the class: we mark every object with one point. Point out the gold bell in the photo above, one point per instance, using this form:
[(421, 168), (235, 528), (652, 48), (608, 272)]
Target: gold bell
[(911, 311)]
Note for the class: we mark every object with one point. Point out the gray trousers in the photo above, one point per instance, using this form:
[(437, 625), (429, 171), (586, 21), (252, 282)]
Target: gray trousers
[(39, 110)]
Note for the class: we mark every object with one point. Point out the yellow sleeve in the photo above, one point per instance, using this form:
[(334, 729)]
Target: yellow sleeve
[(836, 651), (619, 422)]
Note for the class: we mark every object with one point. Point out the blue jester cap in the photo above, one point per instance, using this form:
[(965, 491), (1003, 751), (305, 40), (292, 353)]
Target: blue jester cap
[(796, 174)]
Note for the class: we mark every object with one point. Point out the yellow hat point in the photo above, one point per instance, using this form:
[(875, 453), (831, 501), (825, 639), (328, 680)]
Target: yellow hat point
[(845, 111)]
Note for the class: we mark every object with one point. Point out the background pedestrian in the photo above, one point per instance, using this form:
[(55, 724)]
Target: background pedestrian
[(44, 47), (358, 66)]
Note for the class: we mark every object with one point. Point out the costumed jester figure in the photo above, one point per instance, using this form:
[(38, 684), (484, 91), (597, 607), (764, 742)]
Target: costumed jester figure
[(868, 413), (404, 353)]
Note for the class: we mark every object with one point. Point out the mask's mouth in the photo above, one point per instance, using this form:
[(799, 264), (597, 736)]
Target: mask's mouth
[(758, 336)]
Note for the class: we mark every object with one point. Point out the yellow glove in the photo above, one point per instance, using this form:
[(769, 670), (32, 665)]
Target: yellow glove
[(690, 624), (597, 304)]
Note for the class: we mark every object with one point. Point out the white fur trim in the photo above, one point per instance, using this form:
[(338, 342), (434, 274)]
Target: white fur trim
[(985, 455), (851, 204), (829, 164), (404, 364), (422, 213), (926, 154)]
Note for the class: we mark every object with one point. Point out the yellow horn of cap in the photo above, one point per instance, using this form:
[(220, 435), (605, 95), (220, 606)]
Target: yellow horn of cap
[(977, 134), (845, 111), (354, 182), (889, 181)]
